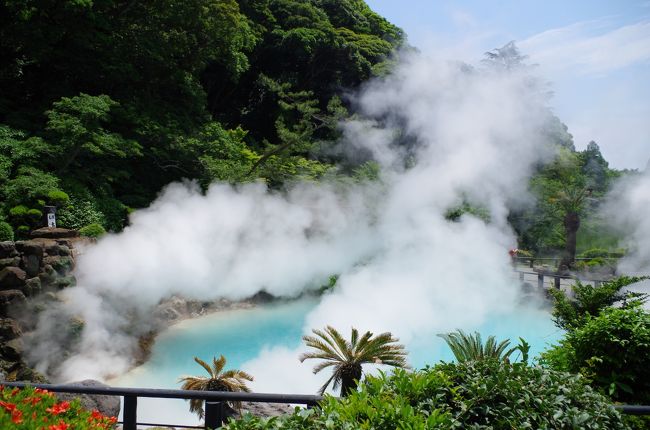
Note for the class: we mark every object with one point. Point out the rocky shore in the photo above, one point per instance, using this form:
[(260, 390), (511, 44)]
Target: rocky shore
[(38, 267)]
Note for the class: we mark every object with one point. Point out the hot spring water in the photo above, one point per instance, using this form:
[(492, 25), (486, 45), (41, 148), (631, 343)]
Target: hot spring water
[(241, 335)]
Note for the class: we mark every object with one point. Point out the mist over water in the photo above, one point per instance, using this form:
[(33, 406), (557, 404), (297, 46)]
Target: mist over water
[(443, 134)]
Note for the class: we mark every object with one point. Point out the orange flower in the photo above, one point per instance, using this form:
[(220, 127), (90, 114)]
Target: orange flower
[(16, 416), (32, 400), (59, 408), (60, 426), (8, 406)]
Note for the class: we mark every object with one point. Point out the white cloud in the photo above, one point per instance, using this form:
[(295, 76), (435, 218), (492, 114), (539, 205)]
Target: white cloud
[(590, 47)]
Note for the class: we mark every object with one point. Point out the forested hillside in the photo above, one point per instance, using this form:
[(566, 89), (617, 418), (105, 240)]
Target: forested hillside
[(102, 103)]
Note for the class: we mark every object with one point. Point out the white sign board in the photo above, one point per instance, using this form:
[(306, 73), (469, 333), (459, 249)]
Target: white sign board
[(51, 220)]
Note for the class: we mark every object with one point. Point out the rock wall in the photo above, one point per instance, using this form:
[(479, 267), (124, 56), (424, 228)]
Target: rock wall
[(30, 269)]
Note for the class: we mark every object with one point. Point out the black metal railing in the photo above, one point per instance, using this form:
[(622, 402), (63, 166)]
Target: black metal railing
[(215, 410), (215, 415)]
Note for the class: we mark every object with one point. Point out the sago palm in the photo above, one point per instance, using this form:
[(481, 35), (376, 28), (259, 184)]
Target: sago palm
[(217, 380), (471, 348), (347, 357)]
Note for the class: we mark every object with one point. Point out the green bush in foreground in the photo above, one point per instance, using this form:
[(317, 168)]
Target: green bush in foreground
[(35, 409), (611, 351), (485, 394)]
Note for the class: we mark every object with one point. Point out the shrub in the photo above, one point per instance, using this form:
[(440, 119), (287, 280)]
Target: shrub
[(594, 253), (591, 300), (92, 230), (33, 408), (6, 232), (485, 394), (58, 198), (610, 350)]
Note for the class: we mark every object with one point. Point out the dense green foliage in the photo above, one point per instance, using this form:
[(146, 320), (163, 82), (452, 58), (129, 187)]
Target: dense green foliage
[(611, 351), (92, 230), (6, 232), (590, 300), (108, 101), (484, 394)]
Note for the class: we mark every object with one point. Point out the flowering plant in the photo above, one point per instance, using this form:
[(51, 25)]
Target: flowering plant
[(36, 409)]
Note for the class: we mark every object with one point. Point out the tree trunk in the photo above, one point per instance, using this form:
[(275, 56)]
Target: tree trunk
[(571, 226), (350, 377)]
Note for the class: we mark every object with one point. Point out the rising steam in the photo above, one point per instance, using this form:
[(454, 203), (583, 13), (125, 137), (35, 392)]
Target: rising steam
[(443, 133)]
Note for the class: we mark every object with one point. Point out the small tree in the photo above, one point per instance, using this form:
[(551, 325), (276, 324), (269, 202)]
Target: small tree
[(347, 357), (471, 348), (217, 380)]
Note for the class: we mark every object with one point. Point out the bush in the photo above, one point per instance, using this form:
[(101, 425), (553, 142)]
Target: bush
[(610, 350), (33, 408), (594, 253), (486, 394), (6, 232), (92, 230), (58, 198), (591, 300)]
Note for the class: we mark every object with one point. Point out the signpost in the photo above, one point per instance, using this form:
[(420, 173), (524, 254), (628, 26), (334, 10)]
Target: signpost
[(50, 216)]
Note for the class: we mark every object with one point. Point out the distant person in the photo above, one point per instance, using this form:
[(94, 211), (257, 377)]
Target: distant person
[(513, 256)]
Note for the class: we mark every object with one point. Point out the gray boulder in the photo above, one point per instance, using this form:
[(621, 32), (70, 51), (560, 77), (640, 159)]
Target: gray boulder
[(8, 249), (12, 278), (107, 405)]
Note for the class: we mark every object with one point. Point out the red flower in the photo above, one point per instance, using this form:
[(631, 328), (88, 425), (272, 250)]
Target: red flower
[(8, 406), (96, 415), (17, 416), (15, 391), (32, 400), (59, 408), (41, 391), (60, 426)]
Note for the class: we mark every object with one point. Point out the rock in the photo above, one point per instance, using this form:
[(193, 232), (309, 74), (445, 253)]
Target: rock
[(47, 275), (32, 287), (12, 350), (12, 278), (55, 248), (107, 405), (31, 264), (267, 410), (8, 249), (11, 299), (30, 247), (54, 233), (9, 329), (64, 282), (62, 264), (9, 262)]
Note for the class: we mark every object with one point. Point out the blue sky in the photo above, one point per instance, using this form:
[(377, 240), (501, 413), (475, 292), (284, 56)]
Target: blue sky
[(596, 54)]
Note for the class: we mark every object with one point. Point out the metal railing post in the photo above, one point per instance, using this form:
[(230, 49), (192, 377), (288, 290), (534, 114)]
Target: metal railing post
[(215, 414), (130, 416), (540, 280)]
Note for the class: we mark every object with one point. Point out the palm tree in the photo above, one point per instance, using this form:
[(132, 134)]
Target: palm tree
[(471, 348), (218, 380), (347, 357)]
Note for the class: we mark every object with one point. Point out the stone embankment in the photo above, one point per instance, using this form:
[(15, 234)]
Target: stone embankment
[(31, 268)]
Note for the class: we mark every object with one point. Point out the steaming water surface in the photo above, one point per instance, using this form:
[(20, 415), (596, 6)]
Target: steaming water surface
[(241, 335)]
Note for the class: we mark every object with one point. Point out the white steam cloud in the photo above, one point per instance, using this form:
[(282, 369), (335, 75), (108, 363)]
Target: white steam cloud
[(444, 134), (628, 210)]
